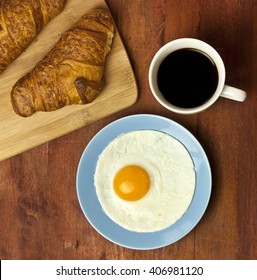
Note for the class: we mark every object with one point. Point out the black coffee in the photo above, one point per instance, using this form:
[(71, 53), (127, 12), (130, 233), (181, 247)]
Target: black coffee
[(187, 78)]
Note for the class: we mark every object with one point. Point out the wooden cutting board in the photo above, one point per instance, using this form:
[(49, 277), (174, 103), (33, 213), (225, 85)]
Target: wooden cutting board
[(18, 134)]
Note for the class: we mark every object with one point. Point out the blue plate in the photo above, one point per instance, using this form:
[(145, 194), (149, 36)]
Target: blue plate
[(90, 204)]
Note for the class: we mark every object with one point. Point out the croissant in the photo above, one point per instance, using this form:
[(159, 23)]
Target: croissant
[(20, 22), (72, 72)]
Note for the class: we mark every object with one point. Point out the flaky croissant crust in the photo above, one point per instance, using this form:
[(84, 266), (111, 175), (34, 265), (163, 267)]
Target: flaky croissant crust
[(72, 72), (20, 22)]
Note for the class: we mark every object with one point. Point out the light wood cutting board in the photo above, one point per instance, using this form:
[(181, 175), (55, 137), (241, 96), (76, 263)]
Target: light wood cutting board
[(18, 134)]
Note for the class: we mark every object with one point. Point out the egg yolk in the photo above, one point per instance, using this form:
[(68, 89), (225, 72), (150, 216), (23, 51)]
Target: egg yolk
[(131, 183)]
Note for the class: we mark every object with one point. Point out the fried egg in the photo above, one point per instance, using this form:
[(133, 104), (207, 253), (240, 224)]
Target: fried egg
[(145, 180)]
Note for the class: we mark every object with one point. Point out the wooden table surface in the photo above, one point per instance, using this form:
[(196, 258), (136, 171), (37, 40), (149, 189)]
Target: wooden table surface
[(40, 214)]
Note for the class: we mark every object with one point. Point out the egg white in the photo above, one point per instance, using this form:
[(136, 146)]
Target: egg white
[(172, 180)]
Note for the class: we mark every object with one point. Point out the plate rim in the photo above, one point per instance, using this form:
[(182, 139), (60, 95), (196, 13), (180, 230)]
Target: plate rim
[(146, 117)]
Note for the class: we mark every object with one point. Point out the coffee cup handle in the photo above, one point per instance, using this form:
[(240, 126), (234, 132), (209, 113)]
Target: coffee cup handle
[(233, 93)]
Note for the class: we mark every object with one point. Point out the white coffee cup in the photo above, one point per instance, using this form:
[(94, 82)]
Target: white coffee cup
[(189, 43)]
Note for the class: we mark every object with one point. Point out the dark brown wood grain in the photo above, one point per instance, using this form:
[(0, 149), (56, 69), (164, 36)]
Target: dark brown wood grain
[(40, 214)]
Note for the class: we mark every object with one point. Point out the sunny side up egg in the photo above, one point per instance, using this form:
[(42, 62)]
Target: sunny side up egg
[(145, 180)]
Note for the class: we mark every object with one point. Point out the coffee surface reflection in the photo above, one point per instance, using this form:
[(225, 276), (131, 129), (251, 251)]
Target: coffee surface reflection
[(187, 78)]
